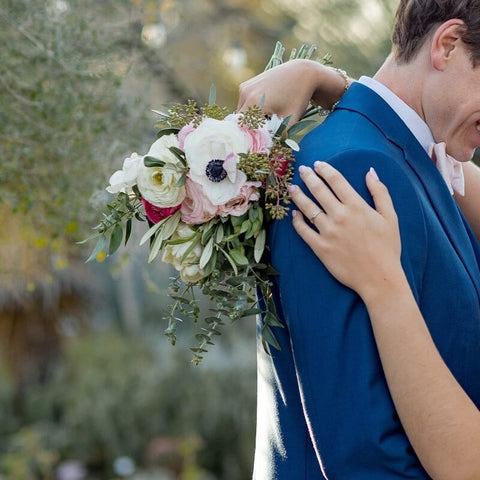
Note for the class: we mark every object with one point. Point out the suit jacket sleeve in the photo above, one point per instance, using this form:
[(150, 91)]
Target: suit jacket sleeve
[(349, 412)]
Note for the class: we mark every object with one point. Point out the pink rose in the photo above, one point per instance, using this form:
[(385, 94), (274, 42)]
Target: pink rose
[(196, 207), (241, 203), (261, 140), (156, 214), (183, 134)]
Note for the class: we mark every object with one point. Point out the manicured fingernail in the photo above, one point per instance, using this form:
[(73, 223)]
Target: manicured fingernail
[(318, 164), (373, 173), (302, 168), (294, 213), (291, 188)]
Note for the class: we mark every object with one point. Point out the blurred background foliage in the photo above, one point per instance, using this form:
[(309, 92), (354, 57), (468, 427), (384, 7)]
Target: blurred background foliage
[(89, 387)]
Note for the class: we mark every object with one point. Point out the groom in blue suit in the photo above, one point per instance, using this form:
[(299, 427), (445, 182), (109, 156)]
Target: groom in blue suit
[(324, 409)]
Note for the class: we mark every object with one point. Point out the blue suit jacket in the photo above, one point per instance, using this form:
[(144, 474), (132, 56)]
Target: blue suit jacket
[(324, 407)]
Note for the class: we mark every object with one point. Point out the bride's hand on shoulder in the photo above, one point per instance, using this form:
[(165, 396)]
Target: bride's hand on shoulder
[(288, 88), (359, 245)]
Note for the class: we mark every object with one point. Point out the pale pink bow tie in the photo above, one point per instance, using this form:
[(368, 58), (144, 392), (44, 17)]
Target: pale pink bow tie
[(450, 169)]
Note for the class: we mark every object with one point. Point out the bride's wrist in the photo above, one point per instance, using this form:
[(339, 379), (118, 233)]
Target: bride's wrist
[(384, 287), (330, 85)]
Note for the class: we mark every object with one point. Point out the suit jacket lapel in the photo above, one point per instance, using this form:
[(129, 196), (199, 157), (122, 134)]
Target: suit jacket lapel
[(366, 102)]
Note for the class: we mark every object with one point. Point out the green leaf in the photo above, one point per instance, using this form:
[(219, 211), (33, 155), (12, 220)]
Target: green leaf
[(283, 126), (246, 226), (208, 232), (179, 241), (170, 225), (235, 221), (195, 241), (149, 161), (250, 312), (220, 233), (128, 230), (230, 260), (211, 264), (269, 337), (88, 239), (99, 247), (272, 320), (136, 191), (115, 239), (213, 95), (167, 131), (259, 245), (253, 214), (181, 181), (292, 144), (300, 126), (206, 254), (155, 247), (151, 231), (239, 258), (251, 231), (179, 154)]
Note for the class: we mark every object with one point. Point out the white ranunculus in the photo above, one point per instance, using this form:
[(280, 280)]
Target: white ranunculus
[(127, 177), (188, 267), (158, 185), (212, 152)]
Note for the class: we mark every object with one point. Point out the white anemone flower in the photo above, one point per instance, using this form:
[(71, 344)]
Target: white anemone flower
[(212, 152)]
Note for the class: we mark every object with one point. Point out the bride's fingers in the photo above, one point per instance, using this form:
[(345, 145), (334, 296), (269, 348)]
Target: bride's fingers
[(308, 234), (312, 211), (318, 189), (381, 198), (337, 182)]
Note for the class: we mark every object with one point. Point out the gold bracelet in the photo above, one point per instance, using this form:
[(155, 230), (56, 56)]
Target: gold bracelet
[(325, 111), (344, 75)]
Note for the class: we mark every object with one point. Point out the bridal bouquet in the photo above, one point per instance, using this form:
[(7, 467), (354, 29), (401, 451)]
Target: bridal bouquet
[(208, 187)]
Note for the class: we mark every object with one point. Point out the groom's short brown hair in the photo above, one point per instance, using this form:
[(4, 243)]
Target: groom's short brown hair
[(415, 19)]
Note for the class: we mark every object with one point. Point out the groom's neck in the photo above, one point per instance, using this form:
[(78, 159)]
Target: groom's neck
[(405, 80)]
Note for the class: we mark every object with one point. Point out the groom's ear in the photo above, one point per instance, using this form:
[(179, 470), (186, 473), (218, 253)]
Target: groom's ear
[(446, 41)]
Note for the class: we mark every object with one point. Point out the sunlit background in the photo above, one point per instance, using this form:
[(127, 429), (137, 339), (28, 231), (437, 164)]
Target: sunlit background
[(89, 386)]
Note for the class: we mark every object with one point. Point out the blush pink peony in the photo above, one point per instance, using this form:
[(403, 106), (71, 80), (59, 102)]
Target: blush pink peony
[(196, 207), (241, 203), (260, 139)]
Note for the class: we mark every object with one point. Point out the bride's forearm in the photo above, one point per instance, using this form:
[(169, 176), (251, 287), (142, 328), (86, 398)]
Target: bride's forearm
[(287, 89), (440, 420)]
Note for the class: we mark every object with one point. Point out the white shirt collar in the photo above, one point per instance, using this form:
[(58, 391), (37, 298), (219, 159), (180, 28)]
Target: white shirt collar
[(410, 117)]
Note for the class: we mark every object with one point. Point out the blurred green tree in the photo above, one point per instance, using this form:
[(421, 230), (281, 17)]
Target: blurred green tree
[(64, 113)]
